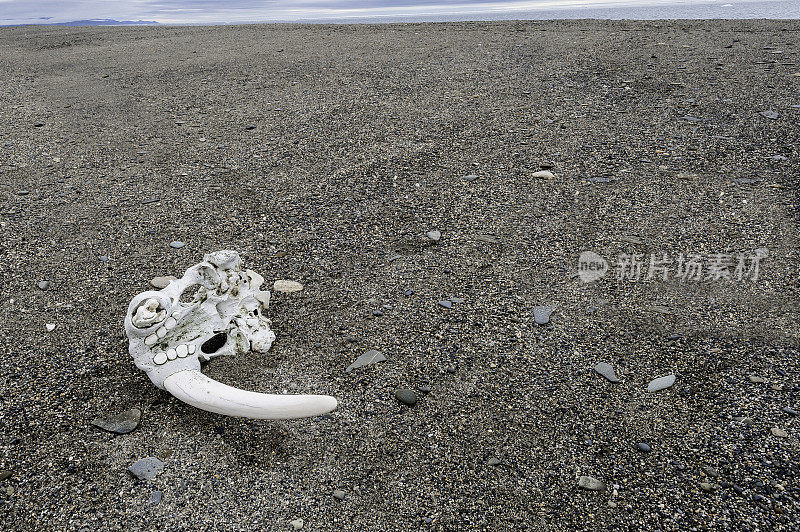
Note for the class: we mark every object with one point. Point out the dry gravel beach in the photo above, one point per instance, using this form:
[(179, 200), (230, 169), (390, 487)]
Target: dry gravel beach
[(330, 155)]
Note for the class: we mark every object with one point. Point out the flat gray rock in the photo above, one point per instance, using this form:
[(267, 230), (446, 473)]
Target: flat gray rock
[(370, 357), (44, 285), (176, 244), (156, 497), (146, 468), (590, 483), (541, 315), (470, 177), (607, 371), (661, 383), (162, 282), (772, 115), (446, 303), (122, 423)]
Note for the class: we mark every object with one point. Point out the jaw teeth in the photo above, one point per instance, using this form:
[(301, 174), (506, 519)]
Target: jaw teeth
[(170, 323), (182, 351), (161, 332), (150, 340)]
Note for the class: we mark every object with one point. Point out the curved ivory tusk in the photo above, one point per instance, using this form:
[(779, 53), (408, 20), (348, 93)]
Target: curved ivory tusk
[(194, 388)]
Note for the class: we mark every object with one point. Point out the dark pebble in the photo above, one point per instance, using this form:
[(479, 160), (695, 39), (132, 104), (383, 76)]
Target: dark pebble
[(789, 410), (493, 461), (122, 423), (406, 396), (642, 446), (377, 313)]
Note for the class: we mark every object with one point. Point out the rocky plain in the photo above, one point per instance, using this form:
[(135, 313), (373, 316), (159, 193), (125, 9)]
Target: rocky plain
[(431, 187)]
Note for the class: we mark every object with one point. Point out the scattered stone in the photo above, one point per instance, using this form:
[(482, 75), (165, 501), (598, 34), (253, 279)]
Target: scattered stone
[(424, 388), (4, 475), (50, 327), (339, 494), (434, 235), (446, 303), (744, 420), (162, 282), (286, 286), (102, 258), (780, 433), (493, 461), (146, 468), (601, 179), (456, 300), (643, 447), (789, 410), (176, 244), (772, 115), (707, 486), (661, 383), (156, 497), (710, 471), (757, 380), (489, 239), (406, 396), (590, 483), (607, 371), (148, 201), (451, 370), (377, 313), (297, 524), (122, 423), (370, 357), (541, 315), (470, 177), (24, 192), (44, 285), (543, 174)]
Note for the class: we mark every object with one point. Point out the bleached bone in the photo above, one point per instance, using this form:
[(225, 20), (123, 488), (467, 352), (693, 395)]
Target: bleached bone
[(168, 338)]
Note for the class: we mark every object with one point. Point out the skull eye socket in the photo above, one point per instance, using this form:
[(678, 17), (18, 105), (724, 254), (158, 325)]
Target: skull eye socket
[(214, 344), (190, 294)]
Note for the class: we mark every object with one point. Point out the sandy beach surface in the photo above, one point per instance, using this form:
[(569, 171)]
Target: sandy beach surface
[(325, 155)]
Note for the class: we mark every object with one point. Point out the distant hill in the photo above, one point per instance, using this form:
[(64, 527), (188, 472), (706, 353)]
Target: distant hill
[(90, 22)]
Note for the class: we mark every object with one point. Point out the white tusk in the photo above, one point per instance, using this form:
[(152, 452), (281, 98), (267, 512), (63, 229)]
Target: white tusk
[(194, 388)]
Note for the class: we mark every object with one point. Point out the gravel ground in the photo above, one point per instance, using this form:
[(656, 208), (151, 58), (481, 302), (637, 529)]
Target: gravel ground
[(324, 154)]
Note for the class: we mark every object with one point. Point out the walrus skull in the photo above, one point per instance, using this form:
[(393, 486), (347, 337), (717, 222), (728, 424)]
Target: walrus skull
[(171, 331)]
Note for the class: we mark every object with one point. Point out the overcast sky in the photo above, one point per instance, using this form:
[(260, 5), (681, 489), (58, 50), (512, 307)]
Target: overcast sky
[(222, 11)]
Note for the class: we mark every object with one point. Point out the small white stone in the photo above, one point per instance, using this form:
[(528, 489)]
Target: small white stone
[(50, 327), (182, 350), (160, 358), (287, 286), (543, 174), (161, 332), (170, 323), (150, 340), (172, 354)]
